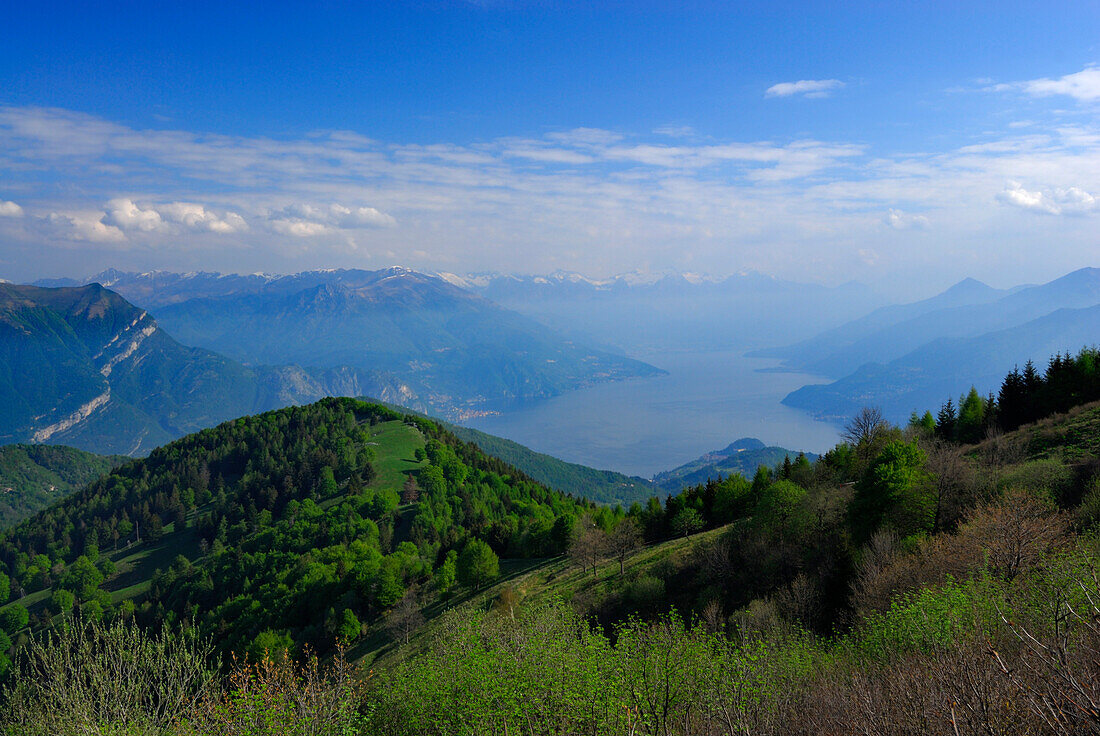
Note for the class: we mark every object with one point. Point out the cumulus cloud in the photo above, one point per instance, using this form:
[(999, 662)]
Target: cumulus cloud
[(10, 209), (125, 215), (129, 216), (88, 226), (804, 87), (1059, 201), (197, 217)]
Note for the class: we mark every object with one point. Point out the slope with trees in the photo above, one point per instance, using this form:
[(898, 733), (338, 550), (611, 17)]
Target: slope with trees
[(283, 529), (911, 580), (743, 456), (34, 476), (601, 486)]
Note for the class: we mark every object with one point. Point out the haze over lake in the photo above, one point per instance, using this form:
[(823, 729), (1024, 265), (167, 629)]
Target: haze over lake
[(707, 400)]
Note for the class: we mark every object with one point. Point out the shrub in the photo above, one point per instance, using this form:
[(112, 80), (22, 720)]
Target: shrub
[(89, 678)]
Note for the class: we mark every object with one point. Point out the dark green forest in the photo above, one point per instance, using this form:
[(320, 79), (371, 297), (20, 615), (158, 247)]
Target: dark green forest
[(34, 476), (278, 527)]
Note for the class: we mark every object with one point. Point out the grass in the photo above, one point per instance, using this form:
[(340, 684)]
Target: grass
[(1072, 436), (538, 580), (563, 579), (33, 602), (395, 444), (134, 567)]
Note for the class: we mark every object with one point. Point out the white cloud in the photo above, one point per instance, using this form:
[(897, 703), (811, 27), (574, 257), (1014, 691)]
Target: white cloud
[(550, 155), (352, 217), (125, 215), (586, 136), (804, 87), (129, 216), (1059, 201), (675, 131), (1083, 86), (900, 220), (10, 209), (303, 219), (300, 228), (197, 217), (641, 199), (84, 226)]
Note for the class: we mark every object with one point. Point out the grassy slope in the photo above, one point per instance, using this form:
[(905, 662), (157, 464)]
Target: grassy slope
[(546, 579), (1069, 437), (395, 444), (601, 486)]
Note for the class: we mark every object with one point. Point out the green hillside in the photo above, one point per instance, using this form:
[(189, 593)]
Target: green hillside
[(34, 476), (601, 486), (288, 526), (819, 597), (743, 456)]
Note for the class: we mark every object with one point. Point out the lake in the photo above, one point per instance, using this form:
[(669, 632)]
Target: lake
[(644, 426)]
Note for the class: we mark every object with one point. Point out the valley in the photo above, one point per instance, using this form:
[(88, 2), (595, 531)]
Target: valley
[(482, 368), (707, 400)]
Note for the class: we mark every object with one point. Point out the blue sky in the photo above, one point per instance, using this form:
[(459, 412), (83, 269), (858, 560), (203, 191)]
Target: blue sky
[(907, 144)]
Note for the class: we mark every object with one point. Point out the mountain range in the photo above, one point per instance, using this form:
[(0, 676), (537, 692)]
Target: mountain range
[(647, 313), (84, 367), (914, 356), (456, 353)]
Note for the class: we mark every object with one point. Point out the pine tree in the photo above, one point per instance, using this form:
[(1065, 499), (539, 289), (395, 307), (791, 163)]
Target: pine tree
[(946, 421)]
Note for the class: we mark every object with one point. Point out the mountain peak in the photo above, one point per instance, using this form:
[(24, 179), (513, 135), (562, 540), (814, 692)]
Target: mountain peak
[(969, 286), (1088, 276)]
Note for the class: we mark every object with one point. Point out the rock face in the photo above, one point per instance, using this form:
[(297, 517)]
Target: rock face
[(84, 367)]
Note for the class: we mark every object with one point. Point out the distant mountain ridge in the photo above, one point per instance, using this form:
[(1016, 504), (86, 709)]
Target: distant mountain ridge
[(916, 356), (899, 330), (458, 353), (642, 313), (82, 366), (743, 456)]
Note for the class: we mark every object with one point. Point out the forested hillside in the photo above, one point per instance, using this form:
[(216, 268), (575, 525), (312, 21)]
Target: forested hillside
[(601, 486), (742, 457), (34, 476), (288, 527)]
